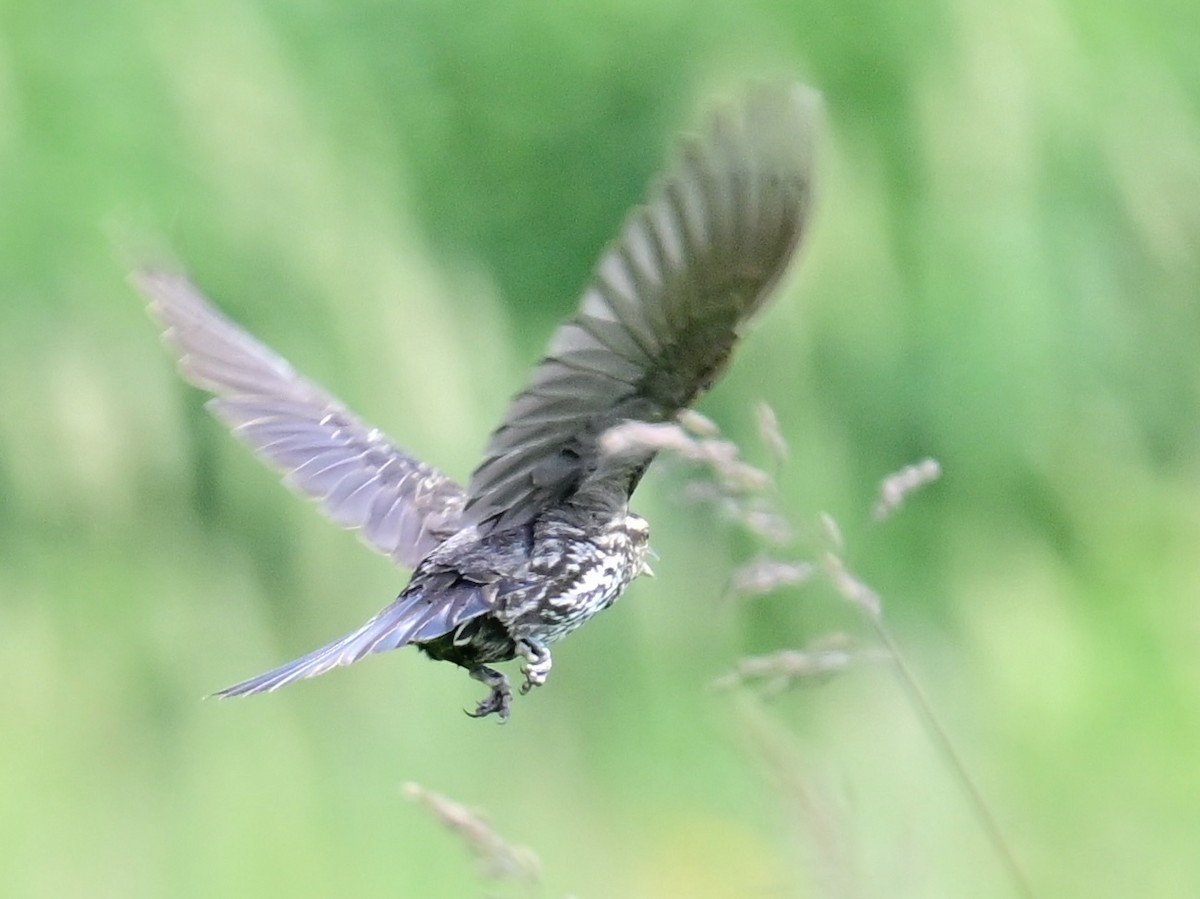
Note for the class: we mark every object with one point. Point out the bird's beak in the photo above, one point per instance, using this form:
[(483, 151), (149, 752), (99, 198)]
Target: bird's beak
[(646, 569)]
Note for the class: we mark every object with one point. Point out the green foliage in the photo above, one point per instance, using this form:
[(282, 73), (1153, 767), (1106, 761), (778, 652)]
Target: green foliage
[(403, 198)]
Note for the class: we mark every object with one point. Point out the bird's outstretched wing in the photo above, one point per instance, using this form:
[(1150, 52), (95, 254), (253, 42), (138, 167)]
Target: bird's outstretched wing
[(663, 311), (411, 618), (401, 506)]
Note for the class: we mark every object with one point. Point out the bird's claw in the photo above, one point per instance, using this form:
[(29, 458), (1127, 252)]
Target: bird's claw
[(499, 701), (537, 664)]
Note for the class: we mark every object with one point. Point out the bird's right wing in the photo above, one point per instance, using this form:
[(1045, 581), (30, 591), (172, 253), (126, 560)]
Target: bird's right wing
[(663, 312), (399, 505)]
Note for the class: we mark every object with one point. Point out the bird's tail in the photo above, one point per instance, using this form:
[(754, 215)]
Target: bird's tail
[(411, 618)]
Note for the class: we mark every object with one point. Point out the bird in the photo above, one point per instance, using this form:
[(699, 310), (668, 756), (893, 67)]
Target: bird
[(541, 538)]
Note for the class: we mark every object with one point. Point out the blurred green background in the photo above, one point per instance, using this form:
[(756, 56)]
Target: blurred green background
[(403, 198)]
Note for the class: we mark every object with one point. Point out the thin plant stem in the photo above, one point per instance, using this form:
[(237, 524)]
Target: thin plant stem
[(941, 738)]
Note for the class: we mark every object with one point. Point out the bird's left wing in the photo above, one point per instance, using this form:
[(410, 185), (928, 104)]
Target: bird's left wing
[(399, 505), (661, 316)]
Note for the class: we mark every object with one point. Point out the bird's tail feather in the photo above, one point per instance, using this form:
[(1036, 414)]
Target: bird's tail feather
[(410, 618)]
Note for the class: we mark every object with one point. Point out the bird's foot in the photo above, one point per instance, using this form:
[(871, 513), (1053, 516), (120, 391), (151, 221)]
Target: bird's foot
[(499, 700), (537, 663)]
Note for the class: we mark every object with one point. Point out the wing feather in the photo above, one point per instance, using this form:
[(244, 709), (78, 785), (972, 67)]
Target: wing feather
[(666, 304), (400, 506), (410, 618)]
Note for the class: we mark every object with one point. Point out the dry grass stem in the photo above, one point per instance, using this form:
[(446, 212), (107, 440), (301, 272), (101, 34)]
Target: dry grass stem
[(766, 575), (776, 672), (898, 486), (832, 532), (830, 857), (769, 432), (700, 425), (766, 523), (850, 587), (719, 456), (497, 857), (754, 514)]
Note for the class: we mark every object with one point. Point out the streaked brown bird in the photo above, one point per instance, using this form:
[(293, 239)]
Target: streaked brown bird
[(542, 537)]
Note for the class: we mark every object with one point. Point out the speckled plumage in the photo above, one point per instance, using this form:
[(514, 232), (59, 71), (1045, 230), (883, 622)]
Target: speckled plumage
[(541, 538)]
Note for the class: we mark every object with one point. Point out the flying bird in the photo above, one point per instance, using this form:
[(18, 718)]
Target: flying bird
[(541, 538)]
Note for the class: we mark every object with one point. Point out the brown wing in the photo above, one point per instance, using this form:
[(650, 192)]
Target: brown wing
[(401, 506), (665, 307)]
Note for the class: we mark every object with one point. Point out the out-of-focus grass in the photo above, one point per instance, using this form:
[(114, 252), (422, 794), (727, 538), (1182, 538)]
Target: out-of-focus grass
[(403, 199)]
